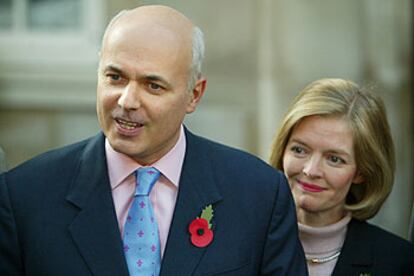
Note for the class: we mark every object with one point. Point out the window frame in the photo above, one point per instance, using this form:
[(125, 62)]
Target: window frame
[(20, 44)]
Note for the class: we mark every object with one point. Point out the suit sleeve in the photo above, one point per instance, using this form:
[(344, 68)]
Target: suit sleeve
[(283, 252), (10, 261)]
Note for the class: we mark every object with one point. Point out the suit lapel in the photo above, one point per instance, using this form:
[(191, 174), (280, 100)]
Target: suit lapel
[(197, 189), (357, 256), (95, 229)]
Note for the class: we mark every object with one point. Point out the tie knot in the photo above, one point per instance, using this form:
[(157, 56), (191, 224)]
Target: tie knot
[(146, 177)]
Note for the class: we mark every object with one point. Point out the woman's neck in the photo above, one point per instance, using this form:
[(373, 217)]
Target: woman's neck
[(320, 219)]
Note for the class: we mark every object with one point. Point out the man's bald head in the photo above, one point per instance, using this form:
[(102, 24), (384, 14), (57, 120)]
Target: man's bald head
[(169, 19)]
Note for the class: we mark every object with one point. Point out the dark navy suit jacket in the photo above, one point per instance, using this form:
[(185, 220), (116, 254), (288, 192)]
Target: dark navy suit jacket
[(371, 251), (57, 216)]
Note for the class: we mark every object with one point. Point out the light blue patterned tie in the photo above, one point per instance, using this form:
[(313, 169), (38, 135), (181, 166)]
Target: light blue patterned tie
[(141, 239)]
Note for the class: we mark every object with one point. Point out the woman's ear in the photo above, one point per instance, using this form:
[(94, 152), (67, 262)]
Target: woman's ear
[(358, 179)]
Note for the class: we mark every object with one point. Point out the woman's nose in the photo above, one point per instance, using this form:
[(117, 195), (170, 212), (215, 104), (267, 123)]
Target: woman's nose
[(312, 167)]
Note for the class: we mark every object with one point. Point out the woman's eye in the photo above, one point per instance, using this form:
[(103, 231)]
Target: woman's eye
[(336, 160), (298, 150)]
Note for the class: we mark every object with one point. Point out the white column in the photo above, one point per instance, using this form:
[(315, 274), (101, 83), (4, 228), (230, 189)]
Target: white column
[(266, 85), (387, 55)]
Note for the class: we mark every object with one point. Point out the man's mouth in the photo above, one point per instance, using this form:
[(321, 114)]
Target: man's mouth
[(128, 124)]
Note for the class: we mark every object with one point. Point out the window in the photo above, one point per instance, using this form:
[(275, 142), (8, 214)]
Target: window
[(5, 14), (53, 14), (40, 15), (50, 31)]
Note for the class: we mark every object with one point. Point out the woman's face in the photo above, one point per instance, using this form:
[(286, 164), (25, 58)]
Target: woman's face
[(319, 163)]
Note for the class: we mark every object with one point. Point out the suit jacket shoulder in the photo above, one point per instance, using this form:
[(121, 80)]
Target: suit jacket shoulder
[(371, 250), (235, 162), (57, 215)]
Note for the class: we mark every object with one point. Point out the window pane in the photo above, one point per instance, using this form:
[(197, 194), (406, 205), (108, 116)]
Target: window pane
[(54, 14), (5, 14)]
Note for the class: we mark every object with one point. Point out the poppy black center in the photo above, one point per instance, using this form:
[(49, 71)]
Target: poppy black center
[(200, 232)]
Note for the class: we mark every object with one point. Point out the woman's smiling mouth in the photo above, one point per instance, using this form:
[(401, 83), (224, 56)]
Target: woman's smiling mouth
[(310, 187)]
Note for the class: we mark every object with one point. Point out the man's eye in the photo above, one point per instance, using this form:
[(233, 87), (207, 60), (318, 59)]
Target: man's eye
[(114, 77), (154, 86)]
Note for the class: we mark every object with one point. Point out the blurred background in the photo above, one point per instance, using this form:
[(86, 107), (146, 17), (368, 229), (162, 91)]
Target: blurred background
[(260, 54)]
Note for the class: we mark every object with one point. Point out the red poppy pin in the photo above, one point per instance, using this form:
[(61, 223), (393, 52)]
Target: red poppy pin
[(200, 228)]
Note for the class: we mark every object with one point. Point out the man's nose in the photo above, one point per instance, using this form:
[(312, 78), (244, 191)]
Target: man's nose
[(130, 96)]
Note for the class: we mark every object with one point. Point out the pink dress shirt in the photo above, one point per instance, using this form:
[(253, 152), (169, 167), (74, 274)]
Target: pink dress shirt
[(163, 195)]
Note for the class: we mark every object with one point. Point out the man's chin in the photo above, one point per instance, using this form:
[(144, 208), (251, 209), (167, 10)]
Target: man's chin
[(123, 145)]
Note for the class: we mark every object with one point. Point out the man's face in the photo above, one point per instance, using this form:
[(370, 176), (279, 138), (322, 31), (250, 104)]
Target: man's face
[(142, 94)]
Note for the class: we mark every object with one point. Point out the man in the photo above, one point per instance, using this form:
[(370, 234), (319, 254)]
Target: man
[(217, 210)]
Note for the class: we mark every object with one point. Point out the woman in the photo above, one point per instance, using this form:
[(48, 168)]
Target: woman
[(336, 150)]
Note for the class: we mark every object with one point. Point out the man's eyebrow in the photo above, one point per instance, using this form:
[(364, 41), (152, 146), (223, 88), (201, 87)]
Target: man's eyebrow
[(114, 68), (150, 77), (157, 78)]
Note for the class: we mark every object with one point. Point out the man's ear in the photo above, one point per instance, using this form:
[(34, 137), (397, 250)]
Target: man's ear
[(196, 94)]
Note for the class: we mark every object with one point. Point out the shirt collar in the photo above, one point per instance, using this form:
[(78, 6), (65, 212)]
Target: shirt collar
[(120, 165)]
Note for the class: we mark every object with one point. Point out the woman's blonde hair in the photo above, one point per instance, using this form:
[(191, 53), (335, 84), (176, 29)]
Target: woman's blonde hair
[(373, 145)]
